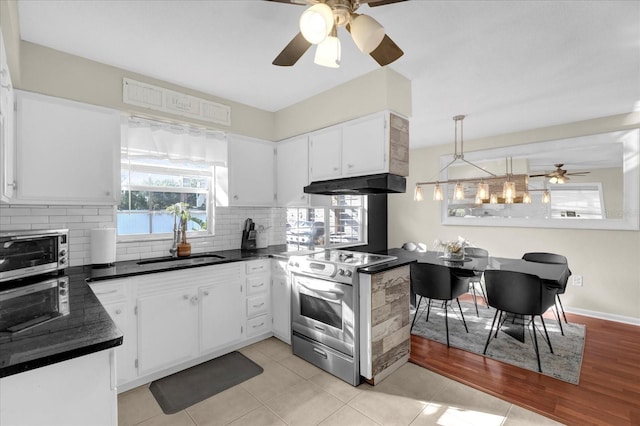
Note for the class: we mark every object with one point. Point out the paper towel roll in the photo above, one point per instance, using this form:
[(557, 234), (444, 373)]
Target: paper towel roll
[(103, 246)]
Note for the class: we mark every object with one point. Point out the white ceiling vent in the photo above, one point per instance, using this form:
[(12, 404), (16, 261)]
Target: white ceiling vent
[(165, 100)]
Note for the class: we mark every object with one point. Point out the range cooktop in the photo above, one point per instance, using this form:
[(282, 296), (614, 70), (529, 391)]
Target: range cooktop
[(352, 258)]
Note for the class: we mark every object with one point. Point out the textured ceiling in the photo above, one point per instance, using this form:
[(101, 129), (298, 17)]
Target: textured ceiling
[(507, 65)]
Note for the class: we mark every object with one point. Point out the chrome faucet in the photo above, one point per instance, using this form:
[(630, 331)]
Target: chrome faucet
[(176, 237)]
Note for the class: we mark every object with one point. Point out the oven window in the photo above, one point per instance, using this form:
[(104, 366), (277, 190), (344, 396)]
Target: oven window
[(27, 310), (322, 310), (28, 253)]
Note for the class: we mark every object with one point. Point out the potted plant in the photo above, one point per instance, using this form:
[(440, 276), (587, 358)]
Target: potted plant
[(181, 216)]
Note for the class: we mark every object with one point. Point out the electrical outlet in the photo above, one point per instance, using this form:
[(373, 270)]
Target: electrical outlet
[(577, 280)]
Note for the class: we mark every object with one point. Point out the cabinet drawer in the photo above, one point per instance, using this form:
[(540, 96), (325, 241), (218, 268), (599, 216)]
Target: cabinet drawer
[(257, 266), (258, 325), (109, 291), (258, 284), (257, 305)]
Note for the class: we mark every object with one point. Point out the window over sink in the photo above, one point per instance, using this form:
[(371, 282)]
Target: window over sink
[(163, 164)]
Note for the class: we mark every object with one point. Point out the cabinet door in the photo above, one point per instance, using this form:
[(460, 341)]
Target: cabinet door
[(325, 154), (124, 362), (251, 171), (281, 308), (364, 146), (67, 152), (167, 331), (7, 125), (220, 315), (293, 171)]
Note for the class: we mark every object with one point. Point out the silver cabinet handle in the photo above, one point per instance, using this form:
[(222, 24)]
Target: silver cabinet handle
[(258, 305), (206, 293), (13, 184), (259, 325), (118, 311), (185, 297), (106, 292), (350, 166), (320, 352)]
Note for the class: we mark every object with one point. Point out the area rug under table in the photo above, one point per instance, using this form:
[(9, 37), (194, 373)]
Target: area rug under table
[(187, 387), (563, 364)]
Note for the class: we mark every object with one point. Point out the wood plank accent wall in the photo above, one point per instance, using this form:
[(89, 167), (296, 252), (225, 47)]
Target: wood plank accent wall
[(390, 336), (398, 145)]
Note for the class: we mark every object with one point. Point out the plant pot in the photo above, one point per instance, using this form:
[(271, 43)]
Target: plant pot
[(184, 249)]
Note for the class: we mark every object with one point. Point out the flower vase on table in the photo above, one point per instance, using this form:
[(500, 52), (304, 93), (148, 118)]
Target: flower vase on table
[(453, 250)]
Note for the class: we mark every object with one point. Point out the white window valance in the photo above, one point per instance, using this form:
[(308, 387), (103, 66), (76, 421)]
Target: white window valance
[(157, 140)]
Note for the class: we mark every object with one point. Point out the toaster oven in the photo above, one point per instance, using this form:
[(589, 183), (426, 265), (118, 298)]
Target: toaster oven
[(29, 253)]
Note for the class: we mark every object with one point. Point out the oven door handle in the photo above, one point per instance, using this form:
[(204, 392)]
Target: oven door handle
[(331, 294)]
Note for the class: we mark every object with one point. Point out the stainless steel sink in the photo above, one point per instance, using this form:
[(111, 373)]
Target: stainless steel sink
[(183, 261)]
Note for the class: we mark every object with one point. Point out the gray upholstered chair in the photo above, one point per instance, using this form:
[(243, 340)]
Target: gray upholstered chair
[(439, 283), (521, 294)]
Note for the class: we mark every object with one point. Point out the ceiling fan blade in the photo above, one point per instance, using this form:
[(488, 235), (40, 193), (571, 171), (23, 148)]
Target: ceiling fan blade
[(577, 173), (386, 52), (544, 175), (298, 2), (375, 3), (292, 51)]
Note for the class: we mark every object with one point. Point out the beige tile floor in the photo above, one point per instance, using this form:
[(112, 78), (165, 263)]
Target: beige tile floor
[(291, 391)]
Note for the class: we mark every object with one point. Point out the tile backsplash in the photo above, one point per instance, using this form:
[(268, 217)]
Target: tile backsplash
[(80, 220)]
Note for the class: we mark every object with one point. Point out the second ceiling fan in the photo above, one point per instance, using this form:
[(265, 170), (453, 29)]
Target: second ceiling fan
[(319, 24)]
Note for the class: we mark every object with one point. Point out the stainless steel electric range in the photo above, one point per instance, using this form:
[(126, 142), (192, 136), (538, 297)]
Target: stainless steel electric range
[(325, 309)]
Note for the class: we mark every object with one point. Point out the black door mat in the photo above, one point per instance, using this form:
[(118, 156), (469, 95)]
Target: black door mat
[(187, 387)]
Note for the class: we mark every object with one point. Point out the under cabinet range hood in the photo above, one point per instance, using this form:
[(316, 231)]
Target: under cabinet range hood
[(384, 183)]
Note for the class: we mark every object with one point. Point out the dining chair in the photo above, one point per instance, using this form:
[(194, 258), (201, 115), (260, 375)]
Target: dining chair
[(542, 257), (521, 294), (440, 283), (482, 257)]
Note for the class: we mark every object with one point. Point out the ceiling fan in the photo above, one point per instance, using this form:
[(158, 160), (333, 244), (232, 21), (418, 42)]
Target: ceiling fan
[(319, 23), (559, 175)]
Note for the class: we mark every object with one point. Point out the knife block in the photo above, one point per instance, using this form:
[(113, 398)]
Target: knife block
[(248, 240)]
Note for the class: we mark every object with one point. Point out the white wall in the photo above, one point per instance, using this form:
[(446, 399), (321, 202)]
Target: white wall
[(608, 260)]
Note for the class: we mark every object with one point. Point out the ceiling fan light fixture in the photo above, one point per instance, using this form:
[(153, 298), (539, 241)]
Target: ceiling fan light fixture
[(316, 23), (367, 33), (328, 52)]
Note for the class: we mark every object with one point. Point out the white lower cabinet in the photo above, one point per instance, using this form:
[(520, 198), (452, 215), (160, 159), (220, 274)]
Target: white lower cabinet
[(220, 315), (281, 300), (42, 396), (167, 329), (173, 320), (116, 298), (258, 299)]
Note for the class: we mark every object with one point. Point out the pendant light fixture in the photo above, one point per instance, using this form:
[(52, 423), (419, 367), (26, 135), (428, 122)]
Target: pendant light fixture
[(483, 190), (418, 194), (494, 198), (546, 197), (458, 192), (526, 198), (437, 193)]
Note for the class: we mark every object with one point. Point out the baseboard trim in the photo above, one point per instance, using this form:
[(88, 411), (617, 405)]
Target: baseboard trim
[(604, 316)]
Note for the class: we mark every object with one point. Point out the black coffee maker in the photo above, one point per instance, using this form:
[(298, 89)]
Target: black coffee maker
[(249, 235)]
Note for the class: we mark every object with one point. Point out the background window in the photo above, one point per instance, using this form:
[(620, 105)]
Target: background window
[(340, 225)]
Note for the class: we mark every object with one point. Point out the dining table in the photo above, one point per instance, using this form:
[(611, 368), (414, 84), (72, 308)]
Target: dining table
[(551, 275)]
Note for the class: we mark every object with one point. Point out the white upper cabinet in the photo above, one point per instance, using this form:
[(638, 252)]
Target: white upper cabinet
[(251, 171), (325, 154), (66, 151), (7, 126), (364, 146), (292, 171), (377, 143)]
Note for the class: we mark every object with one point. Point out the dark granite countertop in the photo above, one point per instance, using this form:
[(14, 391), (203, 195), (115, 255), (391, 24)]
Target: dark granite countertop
[(132, 268), (404, 257), (88, 327)]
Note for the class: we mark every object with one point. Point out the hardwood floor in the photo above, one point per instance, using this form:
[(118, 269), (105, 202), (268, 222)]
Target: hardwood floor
[(609, 388)]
